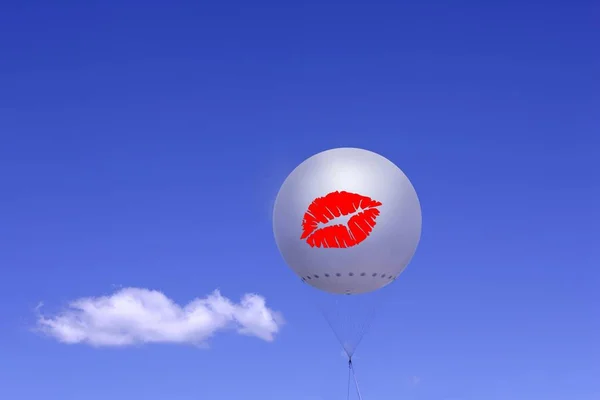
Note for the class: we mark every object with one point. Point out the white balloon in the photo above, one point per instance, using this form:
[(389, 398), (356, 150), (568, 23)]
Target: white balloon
[(362, 230)]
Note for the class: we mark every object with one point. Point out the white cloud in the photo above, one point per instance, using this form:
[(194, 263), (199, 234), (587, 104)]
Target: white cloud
[(133, 316)]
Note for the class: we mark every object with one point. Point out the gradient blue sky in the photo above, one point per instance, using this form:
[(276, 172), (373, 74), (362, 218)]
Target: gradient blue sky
[(121, 122)]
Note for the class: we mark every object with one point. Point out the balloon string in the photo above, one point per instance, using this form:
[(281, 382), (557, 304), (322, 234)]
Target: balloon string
[(337, 335), (351, 368), (349, 378), (350, 350), (365, 328)]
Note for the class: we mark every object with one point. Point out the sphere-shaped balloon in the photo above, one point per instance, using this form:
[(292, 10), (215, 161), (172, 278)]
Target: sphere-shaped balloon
[(347, 221)]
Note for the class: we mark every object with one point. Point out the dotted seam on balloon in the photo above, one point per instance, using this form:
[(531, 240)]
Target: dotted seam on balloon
[(384, 276)]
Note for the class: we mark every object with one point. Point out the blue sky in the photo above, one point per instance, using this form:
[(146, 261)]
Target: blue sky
[(121, 122)]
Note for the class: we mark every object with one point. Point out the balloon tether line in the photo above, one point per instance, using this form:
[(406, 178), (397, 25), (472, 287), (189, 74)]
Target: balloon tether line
[(349, 378), (351, 370), (349, 354), (350, 351)]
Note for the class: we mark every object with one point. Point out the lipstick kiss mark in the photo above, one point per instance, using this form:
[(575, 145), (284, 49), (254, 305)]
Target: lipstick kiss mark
[(323, 210)]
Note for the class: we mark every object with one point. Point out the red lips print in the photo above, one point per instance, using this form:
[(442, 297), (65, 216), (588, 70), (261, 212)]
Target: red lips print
[(336, 204)]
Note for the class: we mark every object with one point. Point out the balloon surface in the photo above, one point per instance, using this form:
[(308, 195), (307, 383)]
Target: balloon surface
[(347, 221)]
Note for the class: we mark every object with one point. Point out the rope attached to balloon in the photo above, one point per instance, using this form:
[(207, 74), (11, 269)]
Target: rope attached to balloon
[(351, 370), (350, 351)]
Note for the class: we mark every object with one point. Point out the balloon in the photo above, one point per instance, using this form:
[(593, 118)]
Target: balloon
[(347, 221)]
